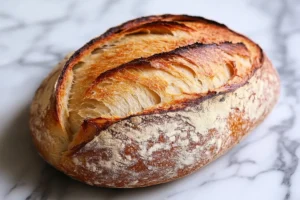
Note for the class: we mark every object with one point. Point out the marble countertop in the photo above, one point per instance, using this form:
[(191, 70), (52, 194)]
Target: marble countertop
[(36, 34)]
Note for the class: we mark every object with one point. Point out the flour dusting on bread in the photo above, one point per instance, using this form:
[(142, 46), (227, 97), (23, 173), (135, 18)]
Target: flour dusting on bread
[(152, 100)]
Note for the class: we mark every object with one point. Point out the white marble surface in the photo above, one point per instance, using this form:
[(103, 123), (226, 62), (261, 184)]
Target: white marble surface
[(35, 34)]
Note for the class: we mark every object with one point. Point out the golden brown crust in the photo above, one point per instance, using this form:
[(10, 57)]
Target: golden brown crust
[(117, 100), (170, 22)]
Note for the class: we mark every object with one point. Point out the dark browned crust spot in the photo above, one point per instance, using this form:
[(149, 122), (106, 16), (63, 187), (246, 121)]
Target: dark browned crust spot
[(86, 131), (160, 24)]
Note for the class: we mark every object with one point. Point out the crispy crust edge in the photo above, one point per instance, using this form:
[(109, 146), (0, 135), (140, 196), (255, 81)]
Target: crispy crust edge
[(77, 55)]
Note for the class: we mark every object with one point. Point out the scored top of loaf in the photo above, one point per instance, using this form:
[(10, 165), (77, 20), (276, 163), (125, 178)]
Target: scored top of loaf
[(150, 65)]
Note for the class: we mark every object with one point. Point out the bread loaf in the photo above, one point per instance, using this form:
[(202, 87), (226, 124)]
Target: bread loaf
[(152, 100)]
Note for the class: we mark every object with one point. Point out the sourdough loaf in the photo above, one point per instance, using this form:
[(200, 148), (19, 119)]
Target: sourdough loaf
[(151, 100)]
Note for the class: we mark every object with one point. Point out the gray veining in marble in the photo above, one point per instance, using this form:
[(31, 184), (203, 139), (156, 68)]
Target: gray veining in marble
[(36, 34)]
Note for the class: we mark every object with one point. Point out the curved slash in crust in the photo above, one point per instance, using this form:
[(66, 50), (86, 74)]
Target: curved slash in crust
[(61, 91), (185, 52), (200, 54), (60, 87)]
